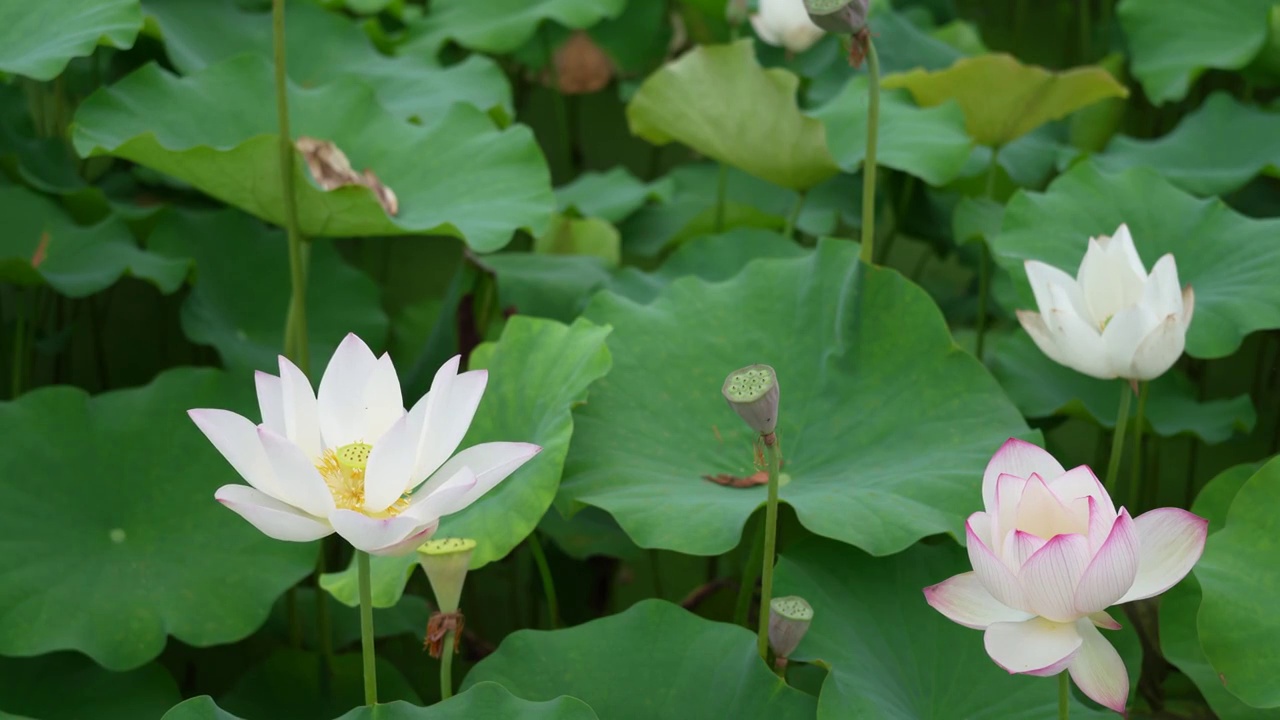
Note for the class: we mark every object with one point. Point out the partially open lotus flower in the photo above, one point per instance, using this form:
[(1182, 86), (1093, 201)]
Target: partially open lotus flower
[(352, 460), (1050, 554), (1112, 320), (786, 23)]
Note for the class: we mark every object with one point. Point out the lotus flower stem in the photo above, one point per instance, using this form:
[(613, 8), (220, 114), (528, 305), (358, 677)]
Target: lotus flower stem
[(1135, 482), (446, 667), (548, 582), (366, 630), (750, 574), (867, 252), (295, 329), (1064, 695), (789, 230), (770, 543), (1117, 438)]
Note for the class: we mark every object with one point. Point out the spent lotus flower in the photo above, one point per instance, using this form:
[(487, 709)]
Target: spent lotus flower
[(1113, 319), (351, 459), (1050, 554), (786, 23)]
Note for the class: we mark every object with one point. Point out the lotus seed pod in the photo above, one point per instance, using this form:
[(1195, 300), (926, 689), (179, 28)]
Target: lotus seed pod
[(736, 12), (752, 392), (843, 17), (446, 561), (789, 619)]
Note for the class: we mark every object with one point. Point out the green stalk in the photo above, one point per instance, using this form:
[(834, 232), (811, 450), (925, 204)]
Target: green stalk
[(366, 630), (548, 583), (561, 108), (867, 252), (324, 636), (770, 543), (295, 328), (1064, 695), (446, 667), (1117, 438), (750, 573), (789, 230), (984, 264), (1135, 475)]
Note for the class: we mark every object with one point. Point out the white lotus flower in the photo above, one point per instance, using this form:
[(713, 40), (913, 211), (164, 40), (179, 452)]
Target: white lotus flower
[(786, 23), (1050, 554), (351, 460), (1113, 319)]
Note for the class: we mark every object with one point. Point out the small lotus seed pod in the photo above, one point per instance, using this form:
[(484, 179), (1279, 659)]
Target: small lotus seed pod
[(752, 392), (736, 12), (789, 619), (446, 561), (843, 17)]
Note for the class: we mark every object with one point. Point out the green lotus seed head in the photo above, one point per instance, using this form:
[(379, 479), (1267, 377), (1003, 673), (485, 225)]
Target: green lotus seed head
[(446, 561), (752, 392), (843, 17), (789, 619), (447, 546)]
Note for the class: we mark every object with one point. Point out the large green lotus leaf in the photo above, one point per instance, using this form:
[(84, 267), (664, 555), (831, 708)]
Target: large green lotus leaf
[(655, 661), (711, 99), (1215, 150), (1179, 639), (501, 26), (538, 371), (123, 541), (241, 289), (570, 235), (42, 244), (611, 195), (215, 129), (1041, 387), (1173, 41), (1240, 575), (929, 143), (481, 701), (198, 708), (1003, 99), (287, 685), (67, 686), (885, 423), (1230, 260), (38, 39), (893, 656), (322, 47)]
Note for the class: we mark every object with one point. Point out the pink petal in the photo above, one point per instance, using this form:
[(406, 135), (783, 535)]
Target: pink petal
[(274, 518), (390, 470), (995, 576), (1021, 546), (452, 420), (1080, 482), (301, 417), (298, 480), (964, 600), (1005, 513), (374, 535), (237, 439), (1033, 647), (1104, 620), (1101, 518), (1018, 458), (1049, 578), (1098, 670), (341, 397), (270, 401), (1041, 512), (1111, 572), (490, 462), (1170, 541)]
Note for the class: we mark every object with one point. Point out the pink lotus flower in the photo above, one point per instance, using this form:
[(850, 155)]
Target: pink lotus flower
[(1049, 556), (351, 460)]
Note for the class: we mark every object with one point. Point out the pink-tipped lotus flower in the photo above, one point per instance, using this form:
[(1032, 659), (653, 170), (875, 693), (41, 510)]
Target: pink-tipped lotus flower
[(351, 460), (1049, 556)]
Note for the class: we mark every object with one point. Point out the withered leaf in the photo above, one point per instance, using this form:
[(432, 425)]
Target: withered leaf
[(332, 170)]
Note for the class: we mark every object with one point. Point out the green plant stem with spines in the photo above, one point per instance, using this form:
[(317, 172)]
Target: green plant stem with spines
[(867, 252), (1117, 439), (366, 630), (1064, 695), (750, 573), (1135, 475), (984, 264), (446, 666), (548, 582), (770, 547)]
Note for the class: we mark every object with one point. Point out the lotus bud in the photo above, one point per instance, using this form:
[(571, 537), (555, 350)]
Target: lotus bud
[(789, 619), (842, 17), (446, 561), (752, 392), (736, 12)]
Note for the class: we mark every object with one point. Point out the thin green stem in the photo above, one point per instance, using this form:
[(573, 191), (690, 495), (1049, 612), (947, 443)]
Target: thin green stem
[(750, 574), (770, 543), (446, 667), (984, 264), (366, 630), (1064, 695), (1117, 438), (295, 328), (548, 582), (324, 632), (789, 230), (1135, 474), (561, 108), (722, 189), (868, 250)]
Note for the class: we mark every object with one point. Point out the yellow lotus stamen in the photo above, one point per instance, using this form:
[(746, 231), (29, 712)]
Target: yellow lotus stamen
[(343, 471)]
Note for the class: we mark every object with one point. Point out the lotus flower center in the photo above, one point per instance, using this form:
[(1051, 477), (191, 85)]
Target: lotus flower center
[(343, 471)]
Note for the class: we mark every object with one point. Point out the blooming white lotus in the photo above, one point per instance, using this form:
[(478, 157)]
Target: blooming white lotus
[(1112, 319), (786, 23), (351, 460), (1049, 556)]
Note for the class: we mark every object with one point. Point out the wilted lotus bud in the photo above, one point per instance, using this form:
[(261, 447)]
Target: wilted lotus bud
[(735, 12), (789, 619), (752, 392), (446, 561), (842, 17)]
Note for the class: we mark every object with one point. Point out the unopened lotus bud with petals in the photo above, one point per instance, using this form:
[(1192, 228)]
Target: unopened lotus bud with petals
[(446, 561), (752, 392), (842, 17), (789, 619), (786, 23)]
